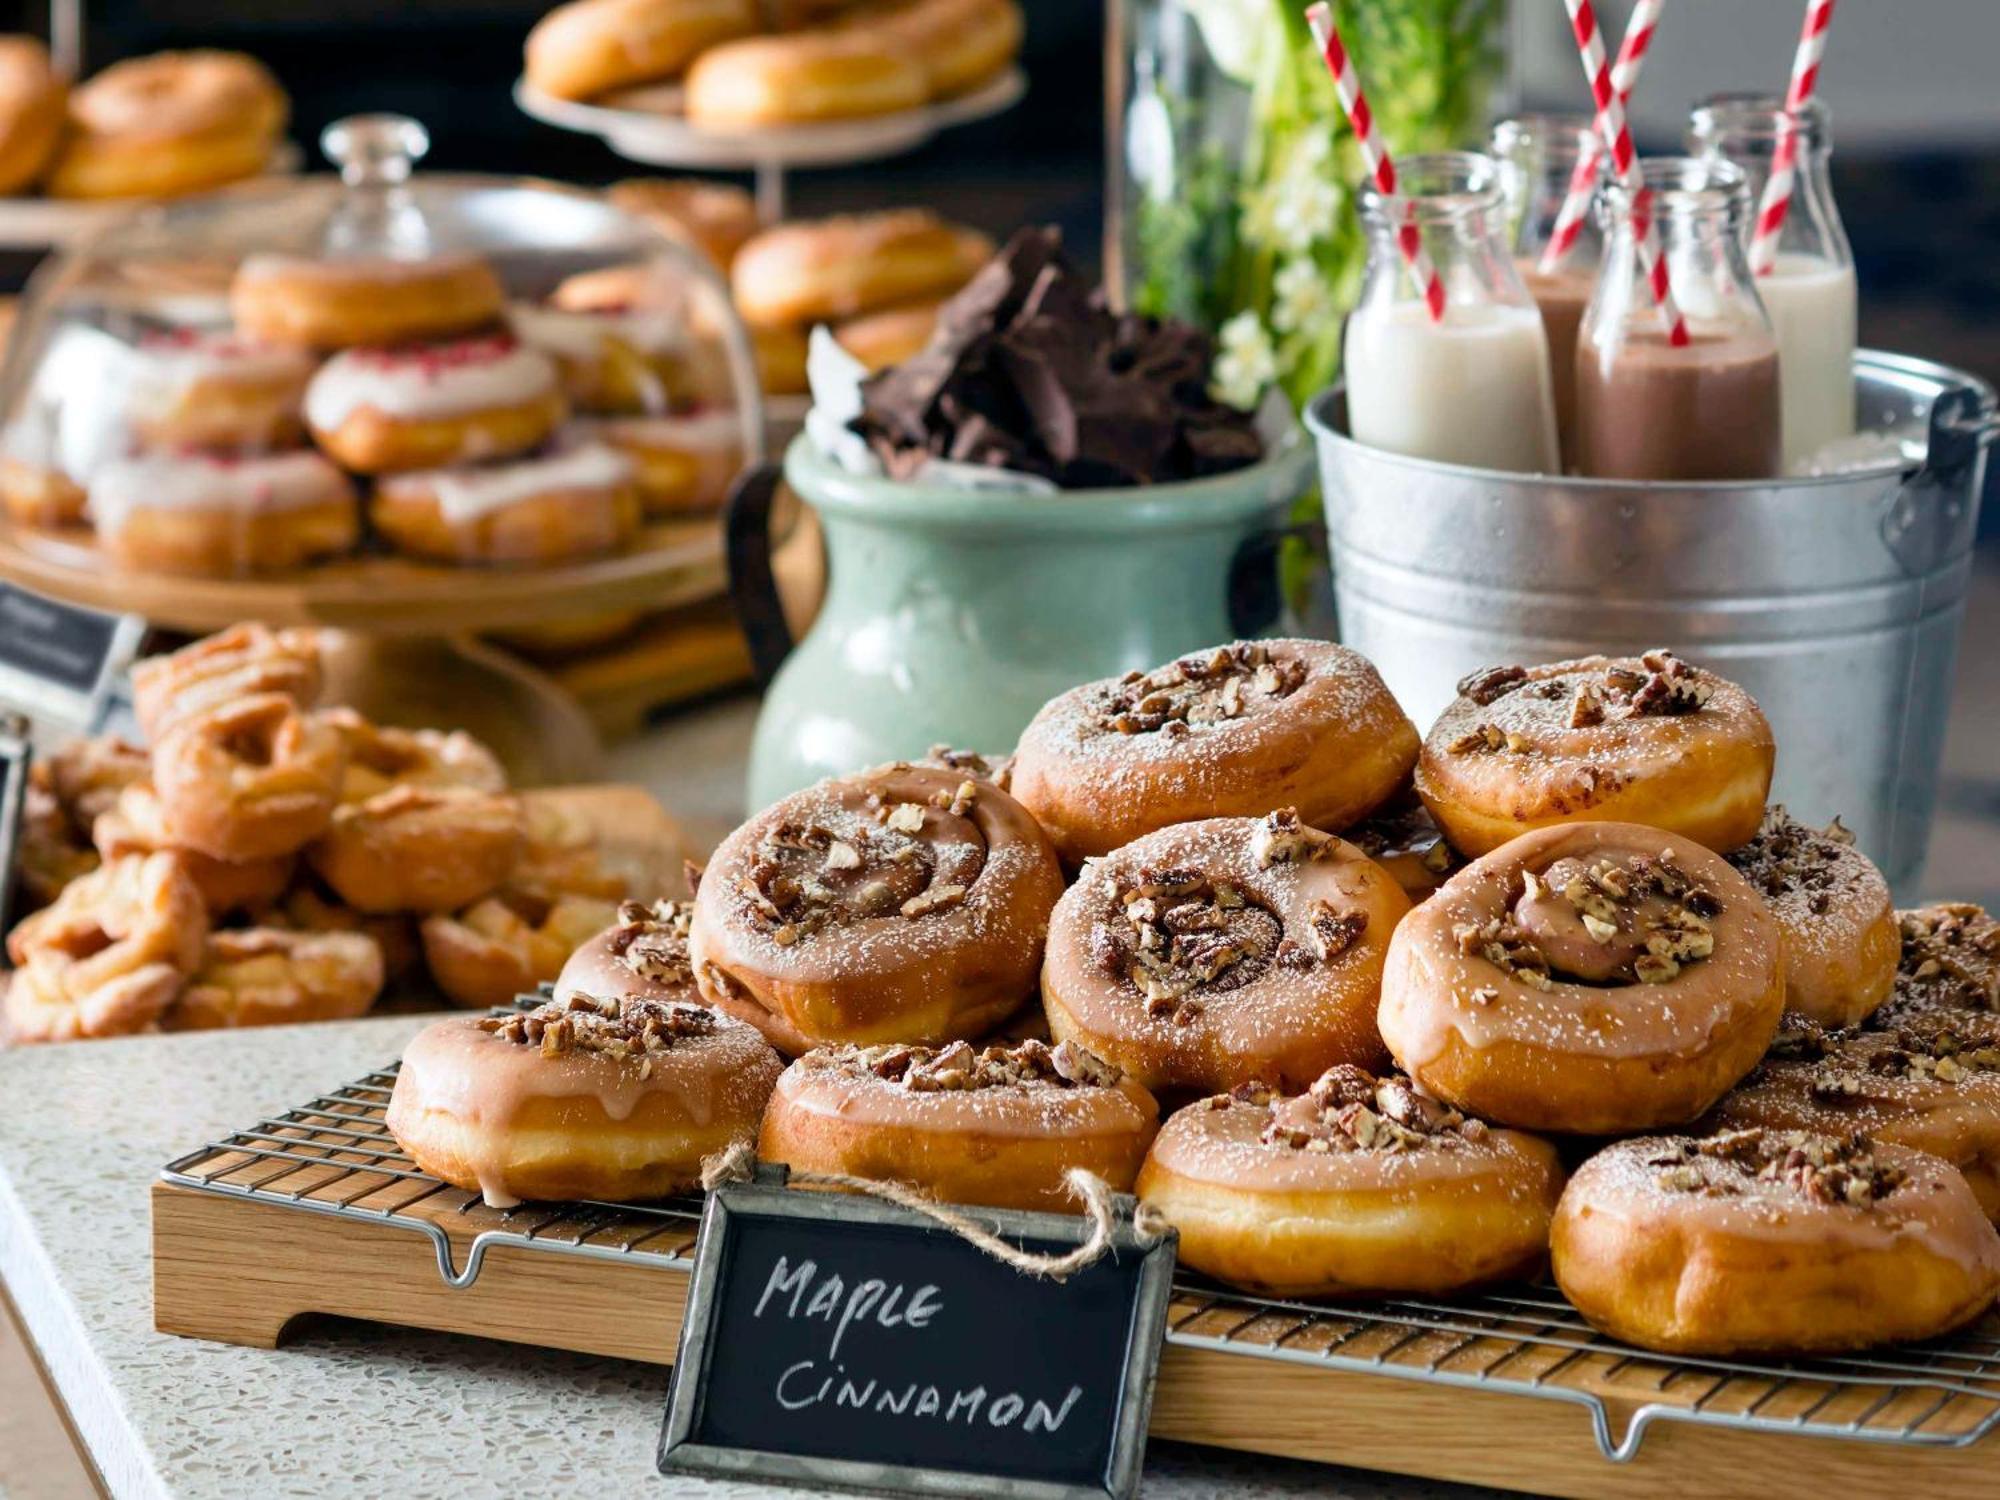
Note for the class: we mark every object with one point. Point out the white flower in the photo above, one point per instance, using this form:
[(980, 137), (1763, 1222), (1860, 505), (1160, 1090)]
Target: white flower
[(1246, 363), (1305, 209), (1298, 296)]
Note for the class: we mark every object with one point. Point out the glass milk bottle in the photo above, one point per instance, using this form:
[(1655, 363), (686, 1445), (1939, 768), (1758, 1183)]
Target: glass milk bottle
[(1652, 410), (1809, 290), (1538, 156), (1474, 386)]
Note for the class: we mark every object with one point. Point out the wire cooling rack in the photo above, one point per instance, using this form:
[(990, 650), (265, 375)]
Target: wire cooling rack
[(334, 1155)]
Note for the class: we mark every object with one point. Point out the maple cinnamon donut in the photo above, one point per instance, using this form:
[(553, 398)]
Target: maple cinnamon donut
[(819, 270), (1404, 839), (418, 849), (960, 43), (588, 47), (267, 976), (380, 757), (904, 904), (251, 779), (600, 1099), (1591, 978), (208, 388), (1355, 1186), (32, 99), (1001, 1126), (1834, 908), (217, 515), (641, 956), (547, 508), (423, 406), (362, 301), (715, 218), (683, 464), (1769, 1242), (1646, 739), (39, 495), (108, 956), (1949, 967), (1231, 732), (1922, 1085), (508, 943), (168, 124), (239, 662), (1212, 953), (136, 824), (802, 78)]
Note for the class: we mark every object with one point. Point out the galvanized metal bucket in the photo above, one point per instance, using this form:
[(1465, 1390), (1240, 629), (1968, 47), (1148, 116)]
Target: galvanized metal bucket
[(1836, 600)]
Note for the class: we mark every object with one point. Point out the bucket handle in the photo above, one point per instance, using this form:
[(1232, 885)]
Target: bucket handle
[(1930, 517), (753, 587)]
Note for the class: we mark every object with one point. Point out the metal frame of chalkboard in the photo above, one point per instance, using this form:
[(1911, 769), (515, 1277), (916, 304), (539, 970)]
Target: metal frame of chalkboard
[(769, 1198), (15, 754)]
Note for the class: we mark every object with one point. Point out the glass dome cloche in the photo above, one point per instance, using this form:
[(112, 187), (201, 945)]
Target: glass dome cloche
[(378, 383)]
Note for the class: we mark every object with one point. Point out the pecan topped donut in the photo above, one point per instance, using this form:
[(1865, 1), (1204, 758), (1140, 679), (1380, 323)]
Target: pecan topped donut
[(1772, 1242), (641, 956), (905, 904), (1214, 952), (1000, 1125), (1950, 966), (1358, 1184), (1233, 731), (1404, 839), (1591, 978), (1835, 910), (1647, 739)]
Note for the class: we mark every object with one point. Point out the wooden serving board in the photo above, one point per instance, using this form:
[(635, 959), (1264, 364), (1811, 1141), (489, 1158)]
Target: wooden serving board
[(317, 1212)]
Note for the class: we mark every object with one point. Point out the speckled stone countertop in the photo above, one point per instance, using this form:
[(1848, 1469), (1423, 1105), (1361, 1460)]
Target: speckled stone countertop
[(347, 1408)]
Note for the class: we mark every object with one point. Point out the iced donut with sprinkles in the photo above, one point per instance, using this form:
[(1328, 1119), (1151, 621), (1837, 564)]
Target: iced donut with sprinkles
[(420, 406), (906, 904), (215, 388), (216, 515), (566, 503)]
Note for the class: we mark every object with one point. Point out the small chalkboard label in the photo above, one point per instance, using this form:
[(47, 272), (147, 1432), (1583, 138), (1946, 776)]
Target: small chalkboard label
[(833, 1339), (58, 661)]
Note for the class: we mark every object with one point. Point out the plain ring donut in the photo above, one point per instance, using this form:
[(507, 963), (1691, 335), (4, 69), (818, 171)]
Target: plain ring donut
[(352, 301), (820, 270), (1213, 953), (1236, 731), (1591, 978), (1764, 1242), (1646, 739), (589, 47), (171, 123), (1358, 1186), (905, 904), (804, 77), (1000, 1125)]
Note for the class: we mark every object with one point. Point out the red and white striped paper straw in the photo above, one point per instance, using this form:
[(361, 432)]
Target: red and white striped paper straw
[(1777, 199), (1374, 155), (1617, 138), (1639, 29)]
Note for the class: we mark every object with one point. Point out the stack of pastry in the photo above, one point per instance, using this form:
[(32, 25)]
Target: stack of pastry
[(1585, 923), (270, 860), (748, 65)]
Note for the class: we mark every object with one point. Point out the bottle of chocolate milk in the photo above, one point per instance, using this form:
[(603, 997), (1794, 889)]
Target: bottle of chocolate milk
[(1809, 290), (1709, 409), (1539, 156), (1474, 386)]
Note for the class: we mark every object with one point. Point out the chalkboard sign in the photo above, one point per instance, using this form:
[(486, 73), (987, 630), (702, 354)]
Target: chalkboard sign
[(58, 661), (833, 1339)]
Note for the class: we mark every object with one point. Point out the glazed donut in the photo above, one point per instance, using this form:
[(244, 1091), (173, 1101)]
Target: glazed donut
[(1405, 840), (641, 956), (250, 779), (886, 338), (218, 669), (212, 515), (903, 904), (360, 301), (588, 1098), (960, 43), (624, 356), (265, 976), (168, 124), (1647, 739), (1950, 967), (548, 508), (683, 464), (88, 774), (589, 47), (508, 943), (715, 218), (1235, 731), (820, 270), (1000, 1126), (1213, 953), (383, 411), (1834, 908), (38, 495), (380, 758), (32, 98), (418, 849), (1758, 1242), (52, 851), (1357, 1186), (109, 956), (196, 388), (801, 79), (135, 824), (1591, 978), (1923, 1086)]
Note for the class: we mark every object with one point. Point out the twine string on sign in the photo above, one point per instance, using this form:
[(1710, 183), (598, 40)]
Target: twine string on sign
[(738, 1164)]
